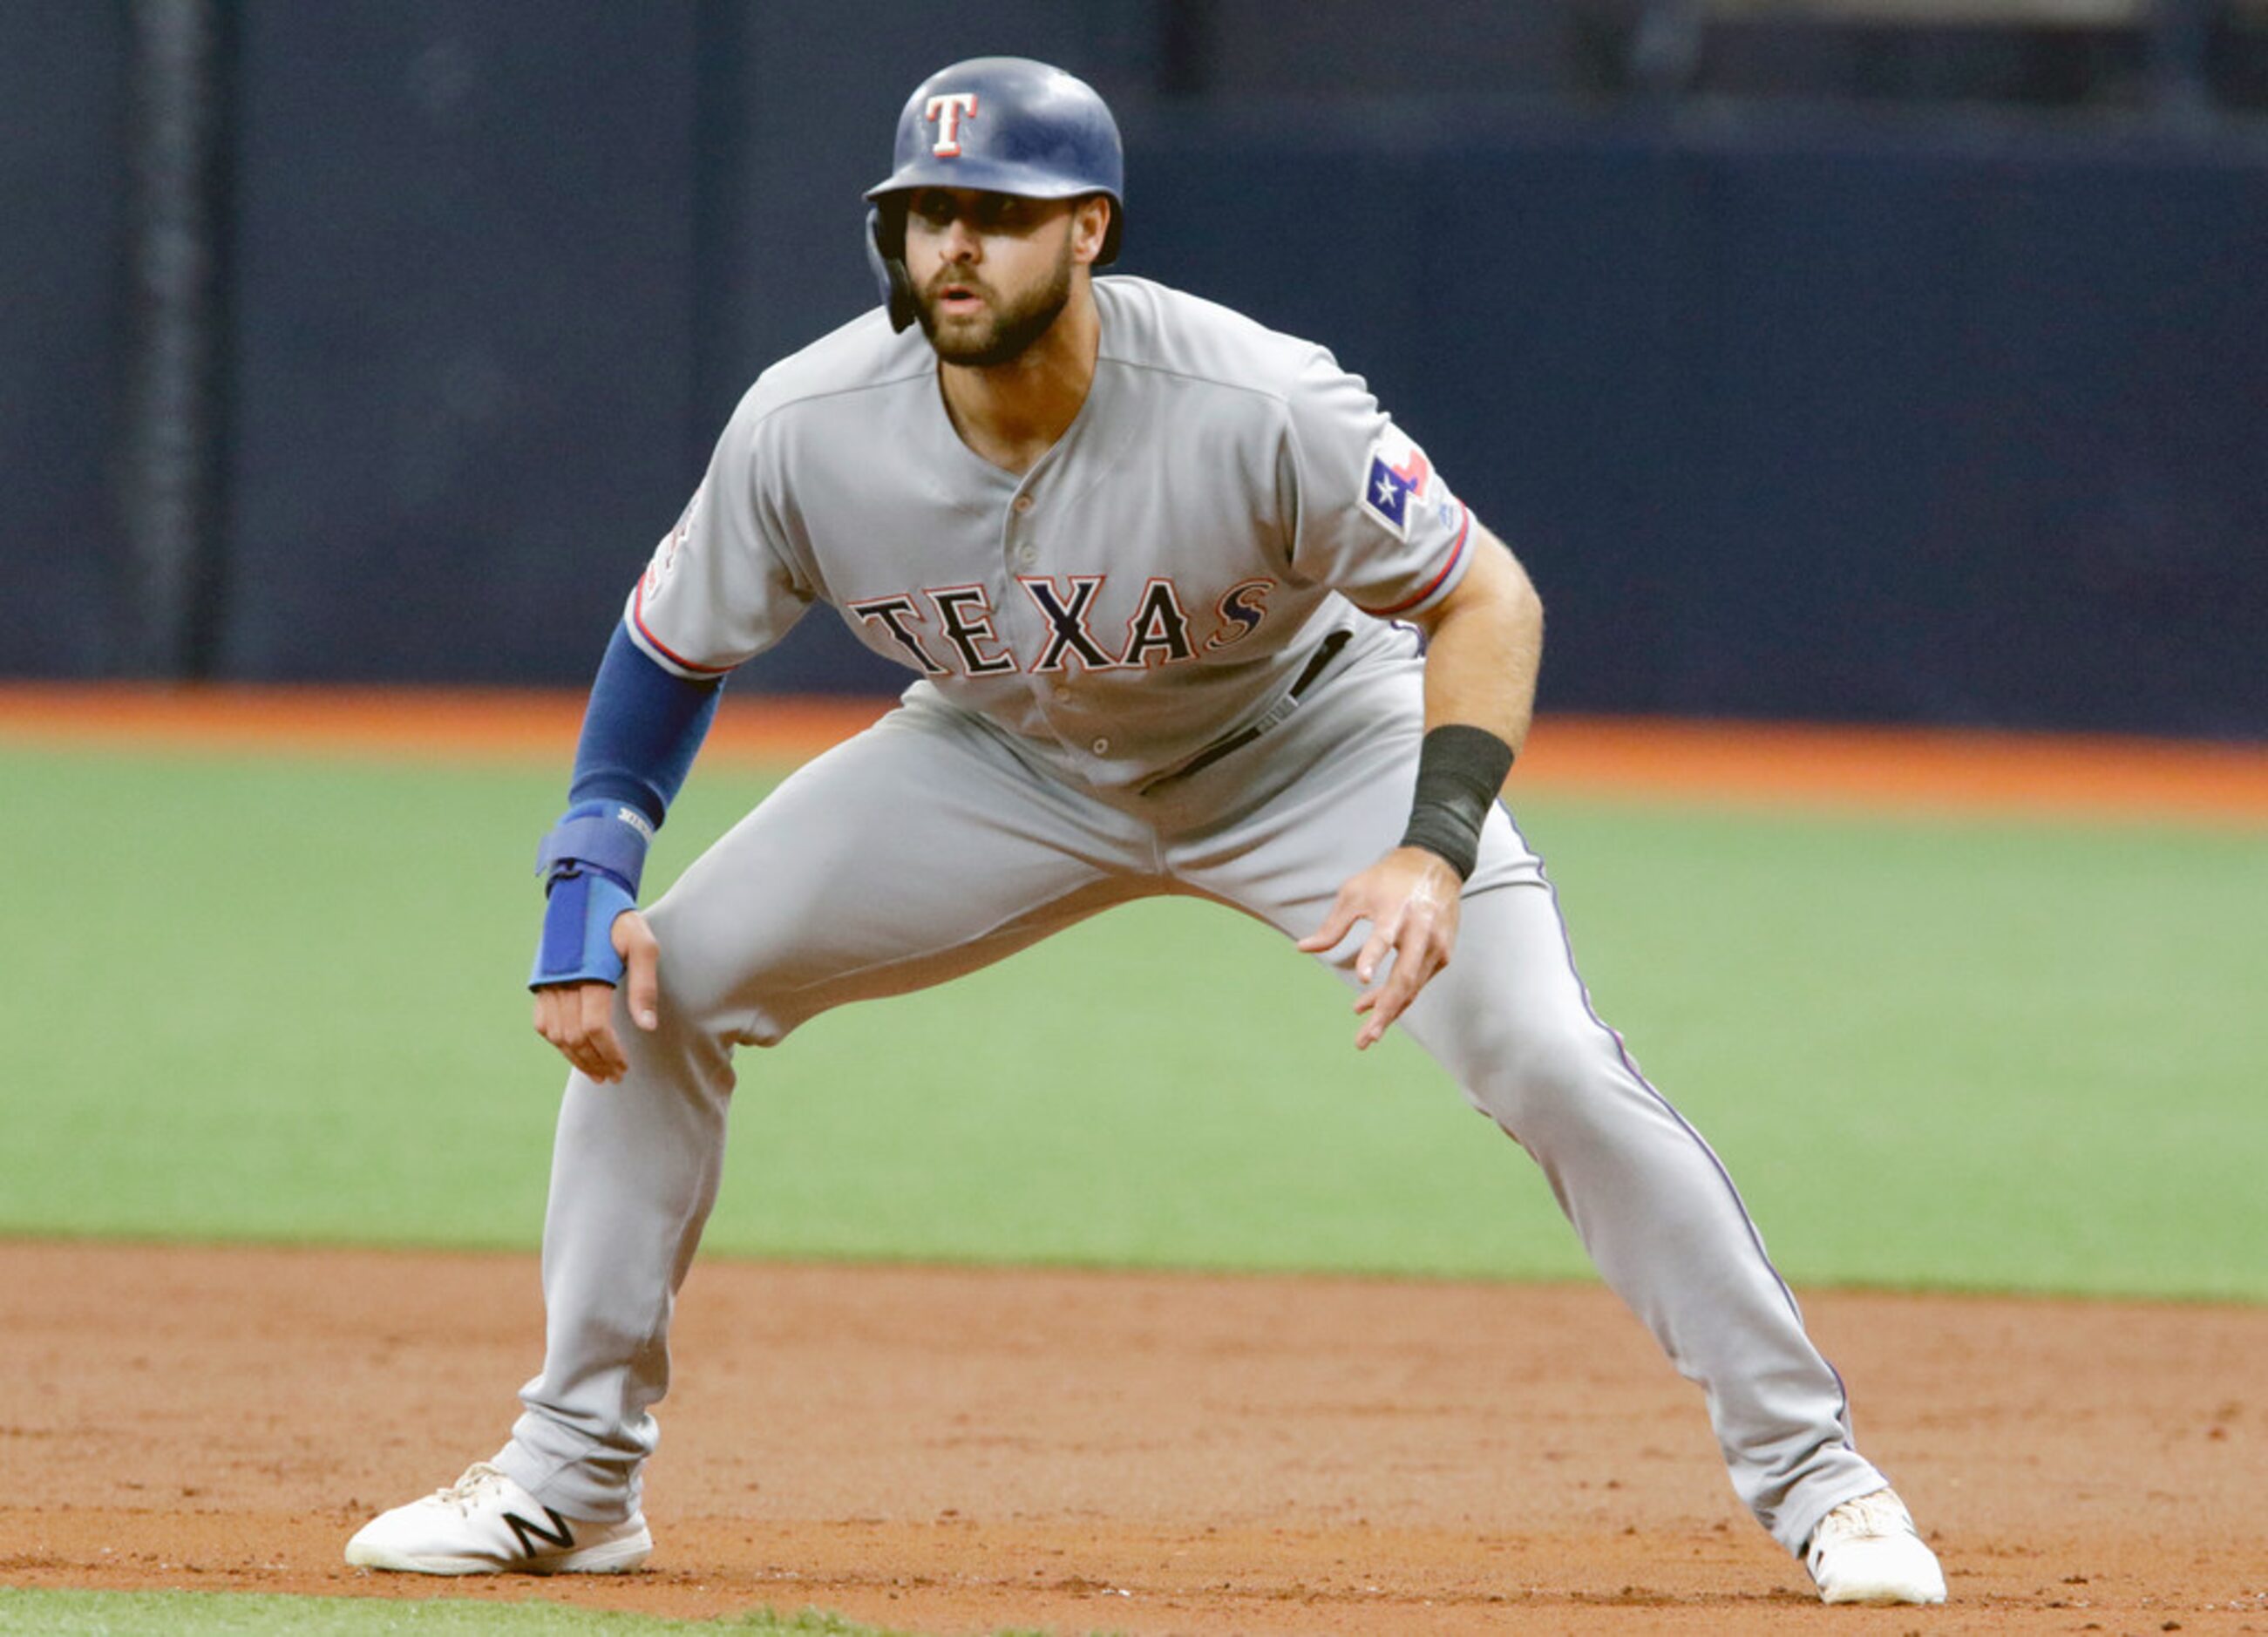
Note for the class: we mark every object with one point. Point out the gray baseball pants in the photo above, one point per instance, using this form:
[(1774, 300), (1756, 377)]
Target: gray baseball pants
[(931, 845)]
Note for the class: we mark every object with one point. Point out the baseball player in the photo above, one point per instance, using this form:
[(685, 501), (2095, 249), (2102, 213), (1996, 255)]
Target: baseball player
[(1186, 613)]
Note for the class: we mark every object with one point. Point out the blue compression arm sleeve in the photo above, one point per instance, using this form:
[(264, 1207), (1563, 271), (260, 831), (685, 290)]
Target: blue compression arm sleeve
[(640, 731)]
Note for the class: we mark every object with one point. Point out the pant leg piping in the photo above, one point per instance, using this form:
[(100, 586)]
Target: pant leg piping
[(1622, 1050)]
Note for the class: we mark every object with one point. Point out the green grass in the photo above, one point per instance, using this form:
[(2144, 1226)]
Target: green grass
[(168, 1614), (282, 1000)]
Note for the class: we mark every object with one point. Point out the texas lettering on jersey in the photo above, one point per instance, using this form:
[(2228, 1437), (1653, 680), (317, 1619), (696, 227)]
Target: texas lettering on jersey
[(945, 630)]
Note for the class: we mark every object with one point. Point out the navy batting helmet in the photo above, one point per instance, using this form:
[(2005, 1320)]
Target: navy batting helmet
[(1002, 125)]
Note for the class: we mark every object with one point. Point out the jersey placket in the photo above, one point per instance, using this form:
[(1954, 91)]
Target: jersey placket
[(1053, 698)]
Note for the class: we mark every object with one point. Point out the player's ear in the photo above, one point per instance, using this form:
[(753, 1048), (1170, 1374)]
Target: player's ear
[(1090, 225)]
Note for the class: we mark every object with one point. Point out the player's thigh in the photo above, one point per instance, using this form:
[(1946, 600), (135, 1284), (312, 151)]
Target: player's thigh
[(917, 850)]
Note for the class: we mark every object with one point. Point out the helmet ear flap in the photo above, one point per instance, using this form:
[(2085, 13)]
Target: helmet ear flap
[(886, 254)]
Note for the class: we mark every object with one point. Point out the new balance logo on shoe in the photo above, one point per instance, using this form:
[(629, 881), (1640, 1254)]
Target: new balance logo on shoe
[(559, 1537)]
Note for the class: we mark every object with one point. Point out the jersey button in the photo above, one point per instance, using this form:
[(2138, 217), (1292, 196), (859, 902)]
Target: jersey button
[(1023, 503), (1028, 554), (1102, 747)]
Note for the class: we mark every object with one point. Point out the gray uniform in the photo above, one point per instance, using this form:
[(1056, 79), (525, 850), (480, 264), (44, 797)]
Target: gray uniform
[(1161, 660)]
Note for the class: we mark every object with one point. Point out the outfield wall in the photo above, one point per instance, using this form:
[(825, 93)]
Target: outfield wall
[(1793, 413)]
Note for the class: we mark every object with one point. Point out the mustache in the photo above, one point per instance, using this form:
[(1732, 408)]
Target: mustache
[(936, 286)]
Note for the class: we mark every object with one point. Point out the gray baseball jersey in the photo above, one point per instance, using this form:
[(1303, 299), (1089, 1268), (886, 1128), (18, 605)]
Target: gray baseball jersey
[(1152, 664), (1226, 496)]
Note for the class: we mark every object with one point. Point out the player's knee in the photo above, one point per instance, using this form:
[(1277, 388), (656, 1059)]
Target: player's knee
[(689, 980), (711, 1004), (1532, 1081)]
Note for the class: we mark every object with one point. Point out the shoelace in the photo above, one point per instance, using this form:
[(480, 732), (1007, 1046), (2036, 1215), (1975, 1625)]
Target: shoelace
[(467, 1490), (1878, 1513)]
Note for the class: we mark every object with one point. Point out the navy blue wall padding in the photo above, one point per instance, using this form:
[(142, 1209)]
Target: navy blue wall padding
[(61, 550), (640, 731), (1791, 412), (465, 304), (1803, 418)]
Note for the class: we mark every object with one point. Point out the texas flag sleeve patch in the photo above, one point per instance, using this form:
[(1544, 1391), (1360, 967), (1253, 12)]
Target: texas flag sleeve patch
[(1395, 487)]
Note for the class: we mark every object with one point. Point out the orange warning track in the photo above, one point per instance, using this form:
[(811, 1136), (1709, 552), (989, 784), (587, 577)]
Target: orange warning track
[(1897, 768)]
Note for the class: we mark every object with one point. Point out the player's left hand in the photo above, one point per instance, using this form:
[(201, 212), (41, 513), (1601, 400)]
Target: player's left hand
[(1410, 899), (578, 1018)]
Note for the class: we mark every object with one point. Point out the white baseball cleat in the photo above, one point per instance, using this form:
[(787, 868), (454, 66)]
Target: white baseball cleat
[(1867, 1550), (486, 1524)]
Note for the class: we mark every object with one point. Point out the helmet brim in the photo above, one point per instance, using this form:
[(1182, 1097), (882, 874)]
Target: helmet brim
[(1025, 181)]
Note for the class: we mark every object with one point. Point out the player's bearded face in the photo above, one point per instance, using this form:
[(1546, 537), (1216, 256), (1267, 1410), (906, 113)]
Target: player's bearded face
[(1000, 286)]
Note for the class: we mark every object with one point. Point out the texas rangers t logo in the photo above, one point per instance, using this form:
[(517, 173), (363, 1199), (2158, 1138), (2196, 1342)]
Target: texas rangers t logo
[(1398, 474), (946, 113)]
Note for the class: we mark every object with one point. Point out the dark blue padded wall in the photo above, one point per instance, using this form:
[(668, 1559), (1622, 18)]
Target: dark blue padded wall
[(1802, 420), (62, 68), (1834, 414), (465, 311)]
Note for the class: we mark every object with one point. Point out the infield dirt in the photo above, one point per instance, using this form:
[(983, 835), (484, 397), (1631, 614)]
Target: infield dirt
[(958, 1451)]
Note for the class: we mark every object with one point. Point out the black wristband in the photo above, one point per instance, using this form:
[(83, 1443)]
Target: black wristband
[(1459, 770)]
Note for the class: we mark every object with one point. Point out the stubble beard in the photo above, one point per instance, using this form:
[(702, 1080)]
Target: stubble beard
[(1010, 329)]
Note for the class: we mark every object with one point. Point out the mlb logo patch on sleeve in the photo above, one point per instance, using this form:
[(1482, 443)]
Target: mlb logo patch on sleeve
[(1395, 483), (665, 555)]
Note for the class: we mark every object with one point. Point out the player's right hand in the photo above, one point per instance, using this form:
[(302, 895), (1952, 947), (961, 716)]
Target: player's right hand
[(1410, 899), (578, 1018)]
